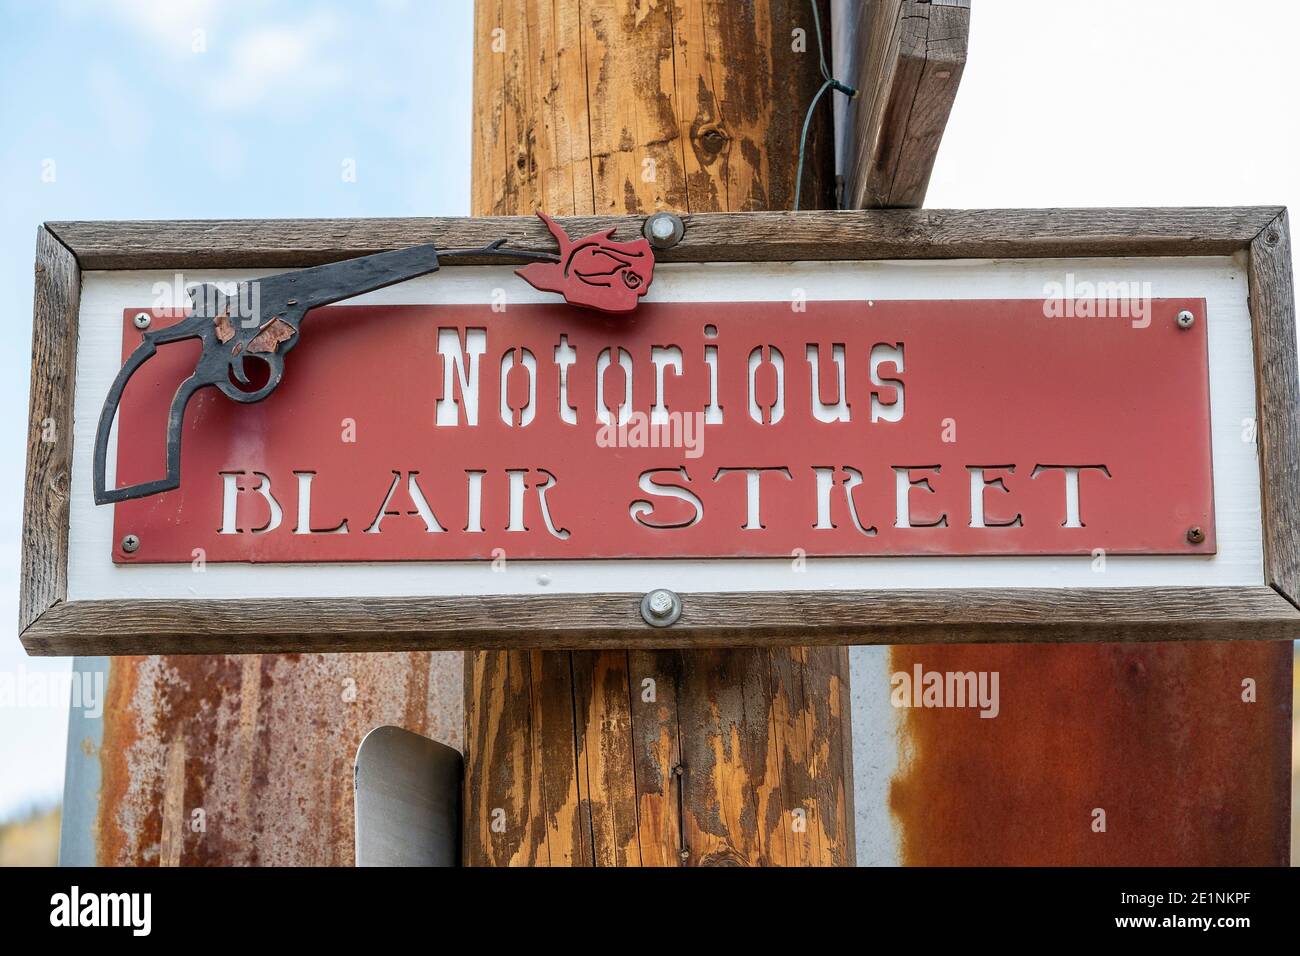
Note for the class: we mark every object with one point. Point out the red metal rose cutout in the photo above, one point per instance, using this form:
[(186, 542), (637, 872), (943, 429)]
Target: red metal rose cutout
[(594, 272)]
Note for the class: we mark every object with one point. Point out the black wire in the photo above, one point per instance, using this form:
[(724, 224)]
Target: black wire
[(830, 84), (497, 248)]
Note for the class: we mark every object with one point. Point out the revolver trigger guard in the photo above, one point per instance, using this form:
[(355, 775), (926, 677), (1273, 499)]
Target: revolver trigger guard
[(231, 389)]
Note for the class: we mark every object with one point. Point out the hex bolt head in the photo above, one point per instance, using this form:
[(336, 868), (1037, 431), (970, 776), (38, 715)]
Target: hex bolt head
[(664, 230), (142, 320), (1195, 535), (661, 607), (130, 544), (1185, 319)]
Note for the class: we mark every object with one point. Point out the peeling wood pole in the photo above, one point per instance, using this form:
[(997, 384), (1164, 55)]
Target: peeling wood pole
[(1156, 735), (633, 757)]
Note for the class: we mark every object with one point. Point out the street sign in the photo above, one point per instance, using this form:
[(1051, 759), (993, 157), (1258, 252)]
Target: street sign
[(822, 427), (698, 429)]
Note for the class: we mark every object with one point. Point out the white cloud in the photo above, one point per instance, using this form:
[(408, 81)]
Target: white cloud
[(290, 62), (169, 24), (240, 68)]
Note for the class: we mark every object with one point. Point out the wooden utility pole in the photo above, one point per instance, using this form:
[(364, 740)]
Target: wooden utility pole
[(637, 757)]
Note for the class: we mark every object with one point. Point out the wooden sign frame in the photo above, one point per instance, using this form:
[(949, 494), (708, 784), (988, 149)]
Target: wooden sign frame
[(51, 624)]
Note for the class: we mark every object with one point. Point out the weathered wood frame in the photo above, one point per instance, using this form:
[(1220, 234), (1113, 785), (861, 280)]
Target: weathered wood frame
[(51, 625)]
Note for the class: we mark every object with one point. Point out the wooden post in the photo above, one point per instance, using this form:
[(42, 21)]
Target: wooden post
[(635, 757), (906, 59)]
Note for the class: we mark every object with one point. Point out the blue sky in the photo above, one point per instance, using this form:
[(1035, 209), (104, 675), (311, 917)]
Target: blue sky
[(1087, 102), (143, 118)]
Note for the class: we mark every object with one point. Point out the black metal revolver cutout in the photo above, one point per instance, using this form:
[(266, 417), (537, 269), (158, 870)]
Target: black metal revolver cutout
[(230, 338)]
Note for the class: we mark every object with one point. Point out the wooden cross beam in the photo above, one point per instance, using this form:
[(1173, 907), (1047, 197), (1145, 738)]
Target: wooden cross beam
[(905, 57)]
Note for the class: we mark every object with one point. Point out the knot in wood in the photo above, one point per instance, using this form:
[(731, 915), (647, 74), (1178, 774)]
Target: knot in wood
[(59, 484), (713, 139)]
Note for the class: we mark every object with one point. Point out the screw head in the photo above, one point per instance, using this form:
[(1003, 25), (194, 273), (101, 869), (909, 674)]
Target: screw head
[(142, 320), (1185, 319), (1195, 534), (130, 544), (661, 603), (664, 230), (661, 607)]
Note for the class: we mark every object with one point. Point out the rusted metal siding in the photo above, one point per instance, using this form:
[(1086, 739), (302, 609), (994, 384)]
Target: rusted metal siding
[(1157, 735), (1295, 761), (262, 745)]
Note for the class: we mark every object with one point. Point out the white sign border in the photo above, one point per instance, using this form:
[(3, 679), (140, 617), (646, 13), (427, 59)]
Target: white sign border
[(1221, 281)]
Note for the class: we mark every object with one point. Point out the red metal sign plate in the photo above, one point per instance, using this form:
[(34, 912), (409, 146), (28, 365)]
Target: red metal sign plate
[(965, 427)]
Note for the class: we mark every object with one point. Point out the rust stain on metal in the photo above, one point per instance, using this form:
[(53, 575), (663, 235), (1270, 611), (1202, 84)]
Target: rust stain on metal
[(270, 335), (120, 735), (1295, 763), (262, 745), (225, 328), (1156, 735)]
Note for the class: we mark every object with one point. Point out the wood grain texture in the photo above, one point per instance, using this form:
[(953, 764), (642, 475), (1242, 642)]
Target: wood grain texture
[(906, 60), (764, 765), (56, 300), (710, 237), (714, 619), (1272, 307), (616, 107), (522, 806), (700, 758)]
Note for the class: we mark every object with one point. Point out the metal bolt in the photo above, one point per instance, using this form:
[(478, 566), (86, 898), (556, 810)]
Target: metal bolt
[(1185, 319), (1195, 535), (664, 230), (130, 544), (678, 770), (661, 227), (684, 855), (661, 607), (142, 320)]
